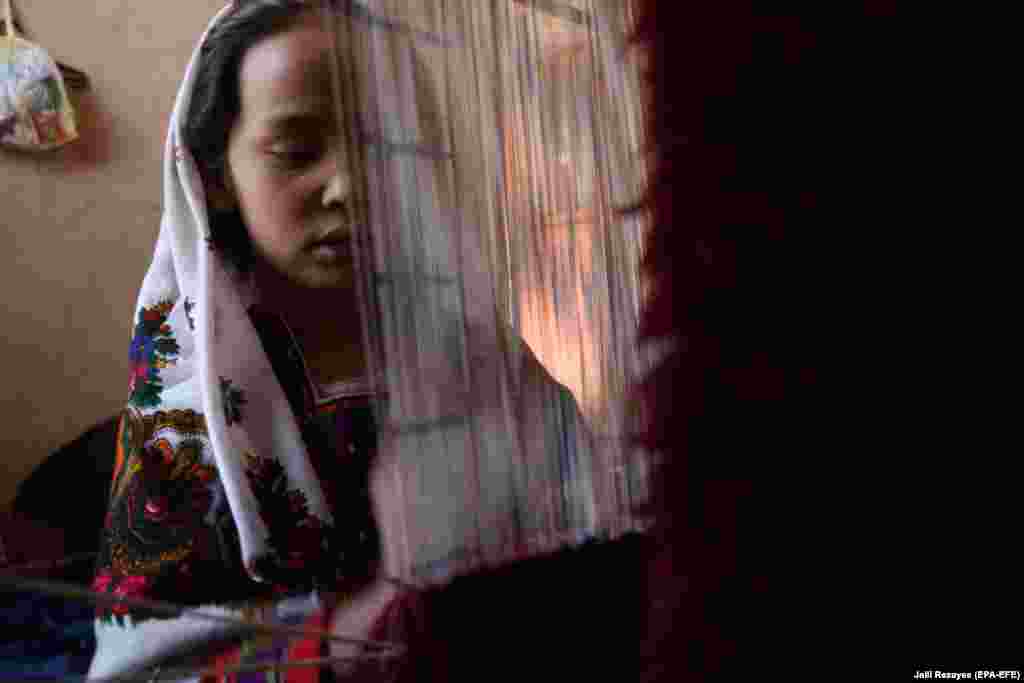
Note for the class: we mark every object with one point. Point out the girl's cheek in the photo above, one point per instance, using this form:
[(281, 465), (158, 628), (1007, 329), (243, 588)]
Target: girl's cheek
[(286, 217), (290, 201), (286, 190), (274, 199)]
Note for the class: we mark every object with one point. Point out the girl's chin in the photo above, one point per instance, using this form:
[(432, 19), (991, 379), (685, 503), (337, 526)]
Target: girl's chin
[(328, 276)]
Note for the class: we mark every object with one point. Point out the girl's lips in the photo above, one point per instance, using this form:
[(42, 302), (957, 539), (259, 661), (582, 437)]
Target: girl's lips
[(334, 244), (336, 239), (333, 249)]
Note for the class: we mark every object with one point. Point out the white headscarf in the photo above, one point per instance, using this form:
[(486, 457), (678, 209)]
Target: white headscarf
[(220, 370)]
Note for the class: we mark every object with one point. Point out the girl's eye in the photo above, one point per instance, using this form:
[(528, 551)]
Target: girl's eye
[(296, 153)]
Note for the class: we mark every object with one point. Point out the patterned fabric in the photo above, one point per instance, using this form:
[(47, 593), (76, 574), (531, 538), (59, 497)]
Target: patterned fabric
[(165, 536), (35, 111), (344, 427), (269, 651)]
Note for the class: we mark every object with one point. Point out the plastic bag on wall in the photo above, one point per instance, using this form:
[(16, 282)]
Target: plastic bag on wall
[(35, 112)]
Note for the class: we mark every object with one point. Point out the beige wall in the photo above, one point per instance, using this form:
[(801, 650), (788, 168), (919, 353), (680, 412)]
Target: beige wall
[(77, 226)]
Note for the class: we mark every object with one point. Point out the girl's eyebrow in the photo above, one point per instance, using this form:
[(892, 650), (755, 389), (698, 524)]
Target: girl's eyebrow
[(301, 113), (297, 118)]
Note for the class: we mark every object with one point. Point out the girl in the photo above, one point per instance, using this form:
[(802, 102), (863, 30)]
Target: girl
[(242, 467), (243, 476)]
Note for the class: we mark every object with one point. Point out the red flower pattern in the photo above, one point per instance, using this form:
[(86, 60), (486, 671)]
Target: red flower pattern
[(101, 582), (131, 587)]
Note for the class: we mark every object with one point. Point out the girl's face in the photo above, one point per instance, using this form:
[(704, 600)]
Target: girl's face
[(286, 168)]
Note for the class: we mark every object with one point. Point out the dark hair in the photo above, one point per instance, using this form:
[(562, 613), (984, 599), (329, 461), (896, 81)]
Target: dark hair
[(215, 105)]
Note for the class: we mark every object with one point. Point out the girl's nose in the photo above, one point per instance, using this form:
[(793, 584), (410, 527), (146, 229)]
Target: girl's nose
[(340, 184), (338, 191)]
